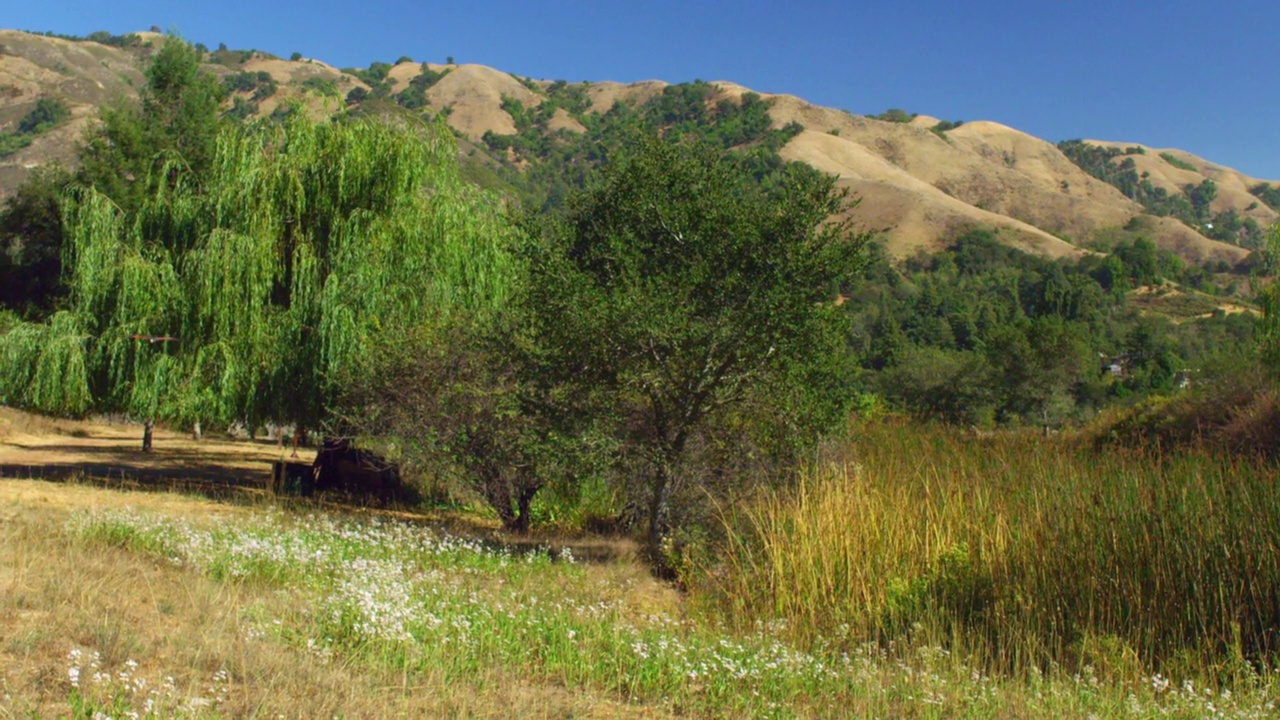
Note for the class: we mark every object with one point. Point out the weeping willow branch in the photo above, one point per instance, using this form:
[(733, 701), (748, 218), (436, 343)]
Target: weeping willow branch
[(301, 250)]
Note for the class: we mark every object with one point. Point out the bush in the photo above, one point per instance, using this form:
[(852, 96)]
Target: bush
[(1177, 162), (895, 115)]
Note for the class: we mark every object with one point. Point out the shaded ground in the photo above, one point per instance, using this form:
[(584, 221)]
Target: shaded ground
[(102, 452), (37, 447)]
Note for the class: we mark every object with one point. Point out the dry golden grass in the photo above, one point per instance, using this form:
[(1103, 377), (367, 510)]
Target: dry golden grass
[(56, 594)]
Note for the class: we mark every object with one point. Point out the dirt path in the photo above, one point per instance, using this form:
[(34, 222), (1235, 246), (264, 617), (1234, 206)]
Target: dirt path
[(36, 447)]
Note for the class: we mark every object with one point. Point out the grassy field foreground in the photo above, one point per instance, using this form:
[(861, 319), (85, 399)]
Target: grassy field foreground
[(152, 605)]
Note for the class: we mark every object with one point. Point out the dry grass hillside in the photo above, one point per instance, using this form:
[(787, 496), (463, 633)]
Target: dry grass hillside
[(475, 92), (918, 186), (1233, 186), (83, 75)]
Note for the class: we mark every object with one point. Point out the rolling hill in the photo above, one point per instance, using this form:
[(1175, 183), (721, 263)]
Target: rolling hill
[(918, 183)]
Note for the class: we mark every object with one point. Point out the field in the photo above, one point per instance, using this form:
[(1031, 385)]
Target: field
[(174, 604)]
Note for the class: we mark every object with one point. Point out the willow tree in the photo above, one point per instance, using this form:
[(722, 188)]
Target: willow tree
[(278, 271)]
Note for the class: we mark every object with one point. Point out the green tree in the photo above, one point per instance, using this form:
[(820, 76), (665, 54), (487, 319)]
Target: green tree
[(278, 270), (675, 287), (1268, 329), (175, 126), (31, 278)]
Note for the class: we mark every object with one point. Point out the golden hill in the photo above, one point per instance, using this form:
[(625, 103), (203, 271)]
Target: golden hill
[(918, 186)]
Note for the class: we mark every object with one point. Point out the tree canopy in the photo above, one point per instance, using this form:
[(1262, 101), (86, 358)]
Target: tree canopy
[(275, 270), (175, 124), (676, 287)]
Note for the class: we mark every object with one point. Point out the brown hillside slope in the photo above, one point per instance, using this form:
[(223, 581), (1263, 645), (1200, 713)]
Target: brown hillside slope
[(921, 187), (82, 75), (991, 168), (915, 213), (1233, 186), (475, 92)]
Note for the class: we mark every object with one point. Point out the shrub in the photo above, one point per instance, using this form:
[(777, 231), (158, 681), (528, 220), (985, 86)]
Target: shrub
[(1177, 162), (895, 115)]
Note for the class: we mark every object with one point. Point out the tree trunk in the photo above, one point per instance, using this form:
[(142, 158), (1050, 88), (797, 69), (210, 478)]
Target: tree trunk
[(299, 438), (658, 502), (147, 429), (524, 498)]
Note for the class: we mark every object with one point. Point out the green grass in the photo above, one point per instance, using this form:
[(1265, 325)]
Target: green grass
[(397, 596)]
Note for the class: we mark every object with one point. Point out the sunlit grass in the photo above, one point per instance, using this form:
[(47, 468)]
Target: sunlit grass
[(1020, 554), (416, 600)]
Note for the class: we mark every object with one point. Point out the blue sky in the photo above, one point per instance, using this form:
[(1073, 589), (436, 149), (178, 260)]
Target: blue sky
[(1200, 76)]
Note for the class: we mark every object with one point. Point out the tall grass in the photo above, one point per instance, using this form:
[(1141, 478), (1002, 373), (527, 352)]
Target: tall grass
[(1021, 551)]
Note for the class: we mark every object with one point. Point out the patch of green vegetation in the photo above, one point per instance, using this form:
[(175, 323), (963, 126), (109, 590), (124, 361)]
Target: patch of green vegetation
[(942, 127), (1269, 194), (1178, 162), (261, 84), (982, 333), (559, 160), (241, 108), (47, 114), (414, 97), (130, 40), (1191, 205), (375, 76), (324, 87), (895, 115)]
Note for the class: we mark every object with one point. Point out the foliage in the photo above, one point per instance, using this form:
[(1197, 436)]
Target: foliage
[(1269, 300), (455, 395), (942, 127), (375, 76), (1268, 194), (323, 87), (1099, 161), (100, 36), (675, 286), (895, 115), (1177, 162), (241, 109), (175, 126), (564, 159), (415, 96), (261, 84), (274, 269), (983, 333), (47, 114), (31, 278)]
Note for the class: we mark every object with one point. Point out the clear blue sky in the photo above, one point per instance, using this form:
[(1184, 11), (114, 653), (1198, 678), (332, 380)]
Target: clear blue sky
[(1201, 76)]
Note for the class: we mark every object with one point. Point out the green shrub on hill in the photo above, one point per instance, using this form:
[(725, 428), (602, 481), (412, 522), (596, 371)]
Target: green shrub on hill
[(1178, 162), (1268, 194), (47, 114), (895, 115)]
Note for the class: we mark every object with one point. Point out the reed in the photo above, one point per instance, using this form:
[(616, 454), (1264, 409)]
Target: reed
[(1020, 551)]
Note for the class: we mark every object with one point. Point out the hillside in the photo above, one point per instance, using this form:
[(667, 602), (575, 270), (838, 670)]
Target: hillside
[(920, 185)]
